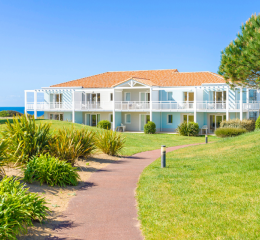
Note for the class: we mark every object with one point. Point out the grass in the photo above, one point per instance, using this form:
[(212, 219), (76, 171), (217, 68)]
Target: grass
[(206, 192), (135, 142)]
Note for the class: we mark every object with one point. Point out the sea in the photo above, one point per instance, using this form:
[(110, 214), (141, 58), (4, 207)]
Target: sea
[(20, 110)]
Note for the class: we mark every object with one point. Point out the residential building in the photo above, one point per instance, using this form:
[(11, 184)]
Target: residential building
[(132, 98)]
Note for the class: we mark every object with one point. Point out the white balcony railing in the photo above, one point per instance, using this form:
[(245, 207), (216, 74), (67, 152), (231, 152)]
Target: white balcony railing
[(141, 105), (132, 105)]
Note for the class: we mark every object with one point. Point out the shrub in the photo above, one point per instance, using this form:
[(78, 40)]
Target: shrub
[(70, 144), (257, 123), (26, 139), (229, 132), (50, 170), (188, 129), (110, 142), (104, 124), (3, 146), (18, 207), (247, 124), (4, 114), (150, 128)]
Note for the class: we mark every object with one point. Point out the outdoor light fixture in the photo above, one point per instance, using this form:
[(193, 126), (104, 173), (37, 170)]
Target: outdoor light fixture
[(163, 156)]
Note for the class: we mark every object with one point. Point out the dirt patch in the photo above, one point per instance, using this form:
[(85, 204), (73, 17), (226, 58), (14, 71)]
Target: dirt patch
[(58, 197)]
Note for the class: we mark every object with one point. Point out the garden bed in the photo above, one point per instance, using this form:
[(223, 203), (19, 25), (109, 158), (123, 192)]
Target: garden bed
[(58, 197)]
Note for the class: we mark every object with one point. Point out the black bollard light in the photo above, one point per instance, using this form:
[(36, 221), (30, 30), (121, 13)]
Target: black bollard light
[(206, 138), (163, 156)]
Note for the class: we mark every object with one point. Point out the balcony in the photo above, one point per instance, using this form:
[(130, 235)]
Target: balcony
[(142, 106)]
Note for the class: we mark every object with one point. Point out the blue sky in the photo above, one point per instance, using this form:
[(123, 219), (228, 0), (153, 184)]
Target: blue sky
[(48, 42)]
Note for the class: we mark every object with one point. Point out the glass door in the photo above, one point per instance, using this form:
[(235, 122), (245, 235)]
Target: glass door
[(188, 117), (144, 119), (93, 120), (214, 122), (219, 119)]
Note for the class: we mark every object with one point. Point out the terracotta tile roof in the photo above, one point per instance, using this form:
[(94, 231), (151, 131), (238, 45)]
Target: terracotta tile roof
[(167, 78)]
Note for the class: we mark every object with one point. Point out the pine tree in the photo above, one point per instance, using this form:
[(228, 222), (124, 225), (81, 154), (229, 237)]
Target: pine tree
[(240, 61)]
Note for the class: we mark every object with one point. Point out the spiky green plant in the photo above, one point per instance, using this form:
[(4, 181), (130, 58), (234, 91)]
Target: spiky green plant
[(50, 170), (3, 147), (110, 142), (25, 138), (18, 207), (70, 144)]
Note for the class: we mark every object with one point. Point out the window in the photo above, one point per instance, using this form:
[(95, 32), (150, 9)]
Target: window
[(56, 116), (111, 118), (252, 95), (128, 118), (169, 96), (188, 96), (169, 119), (111, 96), (127, 96), (188, 117)]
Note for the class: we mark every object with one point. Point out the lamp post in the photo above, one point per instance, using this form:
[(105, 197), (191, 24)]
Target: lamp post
[(206, 138), (163, 156)]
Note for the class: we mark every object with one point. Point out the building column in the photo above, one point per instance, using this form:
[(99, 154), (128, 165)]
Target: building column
[(227, 104), (35, 104), (195, 105), (247, 101), (114, 112), (73, 106), (241, 103), (151, 105)]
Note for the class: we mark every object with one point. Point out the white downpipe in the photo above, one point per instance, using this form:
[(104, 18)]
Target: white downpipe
[(227, 104), (73, 106), (25, 103), (195, 105), (151, 105), (241, 103), (114, 112), (35, 105)]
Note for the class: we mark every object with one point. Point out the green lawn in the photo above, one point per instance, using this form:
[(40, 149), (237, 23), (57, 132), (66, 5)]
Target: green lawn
[(135, 142), (206, 192)]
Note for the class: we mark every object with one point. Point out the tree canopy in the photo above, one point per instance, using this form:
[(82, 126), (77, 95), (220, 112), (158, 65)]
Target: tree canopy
[(240, 60)]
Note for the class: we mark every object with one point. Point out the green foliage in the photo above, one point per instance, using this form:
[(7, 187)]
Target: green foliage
[(18, 207), (110, 142), (229, 132), (104, 124), (247, 124), (3, 147), (4, 114), (188, 129), (257, 123), (50, 170), (150, 128), (25, 138), (70, 144), (240, 59)]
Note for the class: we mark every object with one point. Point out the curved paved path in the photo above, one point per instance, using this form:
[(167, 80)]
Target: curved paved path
[(107, 209)]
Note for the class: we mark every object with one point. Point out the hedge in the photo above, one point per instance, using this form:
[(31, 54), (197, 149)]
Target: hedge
[(247, 124)]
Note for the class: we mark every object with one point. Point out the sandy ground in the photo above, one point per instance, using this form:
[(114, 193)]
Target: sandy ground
[(58, 197)]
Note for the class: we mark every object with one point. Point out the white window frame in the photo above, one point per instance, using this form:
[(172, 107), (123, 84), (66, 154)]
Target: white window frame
[(145, 96), (125, 96), (168, 119), (109, 117), (126, 118), (188, 114)]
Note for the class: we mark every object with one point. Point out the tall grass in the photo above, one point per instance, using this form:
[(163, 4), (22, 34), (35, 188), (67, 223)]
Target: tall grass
[(50, 170), (110, 142), (18, 207), (70, 144), (25, 138), (3, 146)]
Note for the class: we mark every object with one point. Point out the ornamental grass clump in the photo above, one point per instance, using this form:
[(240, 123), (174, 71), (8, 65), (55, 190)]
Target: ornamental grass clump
[(247, 124), (3, 147), (70, 144), (110, 142), (188, 129), (25, 139), (50, 170), (229, 132), (18, 208)]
